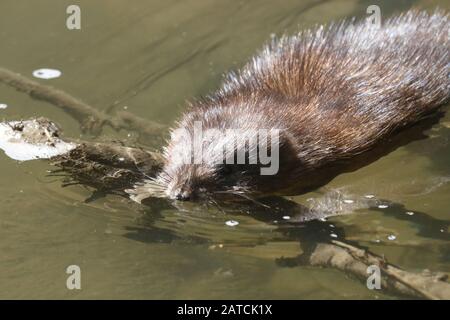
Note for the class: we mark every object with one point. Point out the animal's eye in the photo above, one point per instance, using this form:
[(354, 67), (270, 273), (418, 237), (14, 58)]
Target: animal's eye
[(225, 170)]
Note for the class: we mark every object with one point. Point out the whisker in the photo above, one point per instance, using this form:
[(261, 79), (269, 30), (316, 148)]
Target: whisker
[(210, 198), (243, 195)]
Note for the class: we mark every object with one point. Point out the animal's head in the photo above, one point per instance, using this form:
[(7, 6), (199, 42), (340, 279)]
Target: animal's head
[(215, 162)]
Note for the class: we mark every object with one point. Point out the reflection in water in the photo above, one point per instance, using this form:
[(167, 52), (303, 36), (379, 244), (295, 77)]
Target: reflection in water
[(166, 221), (307, 226)]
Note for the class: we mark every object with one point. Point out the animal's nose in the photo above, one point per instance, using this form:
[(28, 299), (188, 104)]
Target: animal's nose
[(183, 196)]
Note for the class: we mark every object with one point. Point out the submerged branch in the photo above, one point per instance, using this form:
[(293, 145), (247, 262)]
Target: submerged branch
[(90, 119), (108, 167), (355, 261)]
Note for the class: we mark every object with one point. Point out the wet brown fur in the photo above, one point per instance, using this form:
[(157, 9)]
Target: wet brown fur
[(336, 92)]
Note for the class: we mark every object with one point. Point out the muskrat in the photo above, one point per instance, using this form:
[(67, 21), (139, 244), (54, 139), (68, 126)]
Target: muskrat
[(331, 93)]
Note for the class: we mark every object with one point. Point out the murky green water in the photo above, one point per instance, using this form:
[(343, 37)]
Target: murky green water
[(151, 56)]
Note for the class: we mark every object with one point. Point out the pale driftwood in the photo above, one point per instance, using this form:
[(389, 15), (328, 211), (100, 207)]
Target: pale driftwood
[(109, 167), (113, 168)]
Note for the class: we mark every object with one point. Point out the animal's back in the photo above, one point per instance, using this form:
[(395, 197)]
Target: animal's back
[(348, 85), (332, 92)]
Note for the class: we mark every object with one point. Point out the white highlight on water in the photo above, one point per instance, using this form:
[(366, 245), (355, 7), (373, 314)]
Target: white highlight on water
[(46, 73), (231, 223)]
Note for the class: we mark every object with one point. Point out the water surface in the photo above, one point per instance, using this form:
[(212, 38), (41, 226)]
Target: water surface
[(149, 57)]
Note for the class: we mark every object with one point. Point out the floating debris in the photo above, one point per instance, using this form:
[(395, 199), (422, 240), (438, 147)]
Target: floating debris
[(121, 159), (348, 201), (32, 139), (369, 196), (377, 240), (46, 73), (333, 235), (391, 237), (409, 213), (3, 106), (286, 217), (231, 223), (383, 206)]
